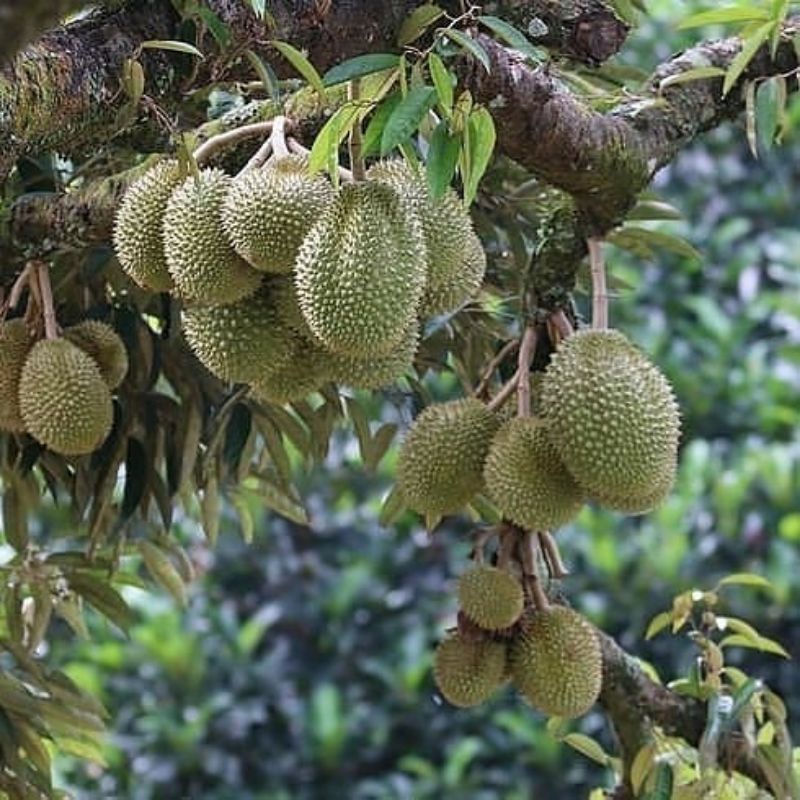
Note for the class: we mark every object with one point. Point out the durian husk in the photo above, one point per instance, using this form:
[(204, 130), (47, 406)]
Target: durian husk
[(468, 671)]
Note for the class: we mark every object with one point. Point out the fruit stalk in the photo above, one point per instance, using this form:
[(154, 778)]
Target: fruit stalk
[(19, 286), (46, 291), (508, 348), (552, 555), (527, 349), (528, 552), (599, 290), (356, 141), (207, 149)]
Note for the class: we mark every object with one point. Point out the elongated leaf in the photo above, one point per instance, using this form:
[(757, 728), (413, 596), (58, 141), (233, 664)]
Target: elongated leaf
[(664, 782), (325, 150), (658, 623), (103, 597), (417, 22), (379, 444), (14, 518), (512, 37), (219, 30), (762, 643), (301, 64), (745, 579), (359, 66), (406, 117), (442, 159), (135, 478), (588, 747), (163, 571), (374, 132), (654, 210), (169, 44), (769, 103), (696, 74), (265, 74), (443, 82), (481, 142), (392, 508), (741, 13), (470, 45), (749, 48)]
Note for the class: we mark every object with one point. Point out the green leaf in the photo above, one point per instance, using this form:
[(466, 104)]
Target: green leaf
[(169, 44), (588, 747), (745, 579), (301, 64), (417, 22), (406, 117), (379, 444), (359, 66), (219, 30), (443, 82), (442, 159), (480, 143), (374, 132), (135, 478), (654, 210), (512, 37), (658, 623), (663, 784), (770, 105), (646, 243), (265, 74), (360, 424), (14, 516), (103, 597), (749, 48), (762, 643), (325, 150), (470, 45), (721, 16), (163, 571), (393, 506), (696, 74)]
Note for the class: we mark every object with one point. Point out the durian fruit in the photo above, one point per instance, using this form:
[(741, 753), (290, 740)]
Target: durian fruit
[(492, 598), (469, 671), (241, 341), (64, 401), (15, 343), (627, 504), (455, 260), (268, 212), (205, 268), (361, 271), (305, 372), (612, 417), (378, 371), (526, 479), (440, 467), (138, 231), (103, 344), (556, 662)]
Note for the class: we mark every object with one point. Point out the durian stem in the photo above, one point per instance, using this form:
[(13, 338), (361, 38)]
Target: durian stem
[(278, 137), (19, 286), (599, 290), (507, 390), (528, 552), (356, 148), (508, 544), (478, 553), (552, 555), (48, 308), (483, 387), (296, 147), (259, 158), (207, 149), (559, 327), (527, 349)]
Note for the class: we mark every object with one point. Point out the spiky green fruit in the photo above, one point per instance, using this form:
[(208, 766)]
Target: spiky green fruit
[(378, 371), (15, 344), (440, 467), (268, 212), (492, 598), (469, 671), (556, 662), (361, 271), (641, 504), (455, 260), (205, 268), (103, 344), (238, 342), (138, 230), (526, 478), (64, 401), (305, 372), (611, 415)]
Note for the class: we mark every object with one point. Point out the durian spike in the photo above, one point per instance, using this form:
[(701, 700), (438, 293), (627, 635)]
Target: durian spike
[(552, 555), (296, 147), (529, 549), (355, 144), (208, 148), (482, 389), (527, 349), (599, 290), (48, 308)]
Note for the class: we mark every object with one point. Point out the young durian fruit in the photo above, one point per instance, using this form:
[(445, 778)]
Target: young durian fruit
[(15, 344), (64, 401), (205, 268), (138, 230), (103, 344), (455, 260), (238, 342), (268, 212), (440, 467), (467, 670), (526, 478), (378, 371), (612, 417), (556, 662), (305, 372), (492, 598), (627, 504), (360, 272)]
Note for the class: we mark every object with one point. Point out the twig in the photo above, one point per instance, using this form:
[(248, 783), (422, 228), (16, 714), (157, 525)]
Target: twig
[(278, 137), (507, 349), (508, 389), (599, 290), (259, 158), (482, 537), (560, 325), (296, 147), (552, 555), (48, 308), (508, 544), (526, 352), (207, 149), (19, 285), (355, 144), (528, 550)]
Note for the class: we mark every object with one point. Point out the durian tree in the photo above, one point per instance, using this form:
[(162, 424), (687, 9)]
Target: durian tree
[(227, 225)]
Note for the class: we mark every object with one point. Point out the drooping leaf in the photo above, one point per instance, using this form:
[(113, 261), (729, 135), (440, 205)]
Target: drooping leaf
[(442, 159), (443, 83), (719, 16), (480, 141), (587, 746), (749, 47), (163, 570), (306, 69), (406, 117), (470, 45), (417, 22), (169, 44), (360, 66), (512, 37)]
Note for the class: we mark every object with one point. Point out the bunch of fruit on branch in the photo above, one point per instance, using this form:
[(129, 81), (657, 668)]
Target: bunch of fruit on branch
[(289, 282)]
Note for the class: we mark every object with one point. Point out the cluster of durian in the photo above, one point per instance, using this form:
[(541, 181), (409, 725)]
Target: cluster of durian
[(551, 656), (59, 390), (605, 427), (288, 283)]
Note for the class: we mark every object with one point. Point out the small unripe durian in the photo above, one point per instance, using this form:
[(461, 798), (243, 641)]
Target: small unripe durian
[(240, 341), (440, 467), (556, 662), (268, 212), (361, 271), (205, 268), (469, 671), (492, 598), (138, 231), (640, 504), (611, 415), (15, 344), (527, 480), (103, 344), (65, 403)]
